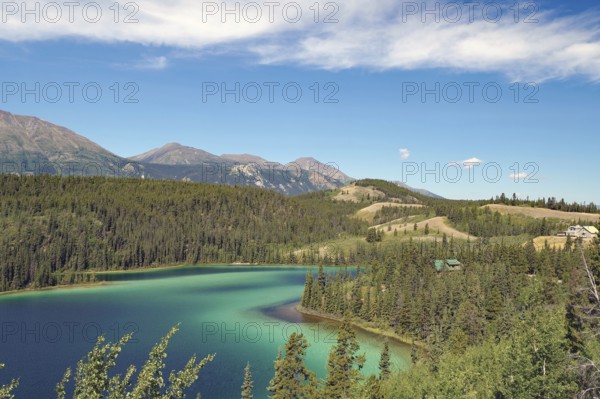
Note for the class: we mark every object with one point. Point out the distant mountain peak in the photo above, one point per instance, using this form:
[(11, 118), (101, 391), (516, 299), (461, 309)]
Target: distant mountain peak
[(34, 146), (245, 158), (30, 138), (173, 145), (330, 169), (176, 154)]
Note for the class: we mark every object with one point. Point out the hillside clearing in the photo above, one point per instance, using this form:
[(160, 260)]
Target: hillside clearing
[(437, 223), (369, 212), (539, 213), (553, 242), (354, 193)]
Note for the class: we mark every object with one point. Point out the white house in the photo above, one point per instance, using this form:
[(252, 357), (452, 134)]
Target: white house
[(585, 232)]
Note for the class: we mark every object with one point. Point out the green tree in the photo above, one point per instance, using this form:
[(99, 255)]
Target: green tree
[(539, 365), (384, 362), (292, 380), (372, 235), (426, 229), (248, 384), (92, 381), (5, 390), (321, 279), (308, 294), (343, 364), (372, 389)]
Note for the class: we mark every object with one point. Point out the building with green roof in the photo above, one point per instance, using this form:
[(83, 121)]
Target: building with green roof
[(442, 265)]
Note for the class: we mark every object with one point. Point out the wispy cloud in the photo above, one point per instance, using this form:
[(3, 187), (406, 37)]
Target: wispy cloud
[(154, 63), (404, 153), (148, 63), (471, 162), (375, 35), (521, 175)]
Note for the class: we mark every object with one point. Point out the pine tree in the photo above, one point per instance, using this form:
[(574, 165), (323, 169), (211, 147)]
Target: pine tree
[(372, 389), (292, 380), (372, 235), (493, 305), (357, 302), (307, 295), (343, 364), (384, 362), (92, 379), (321, 279), (5, 390), (248, 384)]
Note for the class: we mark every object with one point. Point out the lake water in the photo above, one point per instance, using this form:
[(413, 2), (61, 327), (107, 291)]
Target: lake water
[(241, 313)]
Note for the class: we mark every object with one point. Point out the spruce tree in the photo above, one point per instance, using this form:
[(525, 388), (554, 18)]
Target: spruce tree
[(5, 390), (343, 364), (372, 235), (92, 380), (321, 279), (292, 380), (248, 384), (307, 295), (372, 389), (384, 362)]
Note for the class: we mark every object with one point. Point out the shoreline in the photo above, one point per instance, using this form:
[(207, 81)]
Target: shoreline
[(361, 326), (56, 287), (184, 265), (141, 270)]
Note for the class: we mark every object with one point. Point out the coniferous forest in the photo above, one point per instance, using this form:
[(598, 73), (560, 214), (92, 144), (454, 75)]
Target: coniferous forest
[(515, 321), (72, 225)]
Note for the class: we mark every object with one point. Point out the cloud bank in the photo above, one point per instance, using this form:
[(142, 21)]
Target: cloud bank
[(529, 45)]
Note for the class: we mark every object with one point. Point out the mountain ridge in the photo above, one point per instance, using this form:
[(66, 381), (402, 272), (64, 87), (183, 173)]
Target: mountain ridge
[(30, 145)]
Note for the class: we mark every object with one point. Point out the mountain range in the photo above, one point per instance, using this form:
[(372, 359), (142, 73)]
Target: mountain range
[(29, 145)]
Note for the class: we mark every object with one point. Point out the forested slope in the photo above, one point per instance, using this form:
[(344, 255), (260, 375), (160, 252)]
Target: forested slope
[(52, 224)]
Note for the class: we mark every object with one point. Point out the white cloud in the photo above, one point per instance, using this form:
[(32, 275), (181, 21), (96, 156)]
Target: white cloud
[(369, 34), (152, 63), (404, 153), (519, 176), (471, 162)]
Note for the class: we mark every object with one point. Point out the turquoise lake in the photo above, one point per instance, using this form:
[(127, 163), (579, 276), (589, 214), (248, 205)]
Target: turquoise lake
[(241, 313)]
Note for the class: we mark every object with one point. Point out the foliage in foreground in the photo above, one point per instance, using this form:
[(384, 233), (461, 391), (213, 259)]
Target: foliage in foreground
[(6, 390), (92, 380)]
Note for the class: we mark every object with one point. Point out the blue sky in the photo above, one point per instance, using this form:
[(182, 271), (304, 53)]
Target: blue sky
[(367, 117)]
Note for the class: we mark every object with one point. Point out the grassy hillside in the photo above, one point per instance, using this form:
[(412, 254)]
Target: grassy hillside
[(540, 213)]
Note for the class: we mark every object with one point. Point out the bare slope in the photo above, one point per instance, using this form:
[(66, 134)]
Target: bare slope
[(437, 223), (539, 213)]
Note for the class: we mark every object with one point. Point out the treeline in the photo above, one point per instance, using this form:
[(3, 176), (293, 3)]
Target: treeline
[(484, 222), (513, 323), (56, 225), (549, 203), (392, 190), (389, 213), (441, 204)]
